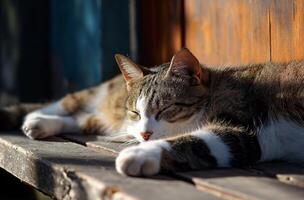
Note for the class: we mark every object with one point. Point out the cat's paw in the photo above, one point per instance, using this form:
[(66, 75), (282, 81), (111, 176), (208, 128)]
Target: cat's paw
[(38, 127), (141, 160)]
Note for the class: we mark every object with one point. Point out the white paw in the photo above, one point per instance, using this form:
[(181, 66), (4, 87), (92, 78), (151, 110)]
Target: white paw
[(40, 126), (141, 160)]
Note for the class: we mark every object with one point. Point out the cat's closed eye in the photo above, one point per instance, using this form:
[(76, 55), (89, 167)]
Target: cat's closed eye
[(133, 115), (159, 114), (176, 111)]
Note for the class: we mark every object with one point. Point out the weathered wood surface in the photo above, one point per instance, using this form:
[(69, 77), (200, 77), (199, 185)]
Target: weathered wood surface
[(161, 30), (82, 167), (228, 32), (97, 142), (284, 172), (242, 184), (263, 181), (287, 30), (67, 170), (245, 31)]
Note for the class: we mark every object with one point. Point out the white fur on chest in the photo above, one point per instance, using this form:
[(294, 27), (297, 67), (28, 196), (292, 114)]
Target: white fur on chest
[(282, 139)]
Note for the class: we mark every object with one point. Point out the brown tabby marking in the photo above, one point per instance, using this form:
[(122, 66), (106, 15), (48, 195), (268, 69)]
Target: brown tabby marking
[(113, 105), (187, 152), (74, 102), (92, 125)]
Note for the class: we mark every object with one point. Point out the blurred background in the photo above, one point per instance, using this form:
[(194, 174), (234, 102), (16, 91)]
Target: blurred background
[(51, 47)]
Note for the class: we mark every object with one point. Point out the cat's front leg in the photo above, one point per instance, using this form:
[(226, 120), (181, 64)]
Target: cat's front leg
[(144, 159), (198, 150), (38, 126)]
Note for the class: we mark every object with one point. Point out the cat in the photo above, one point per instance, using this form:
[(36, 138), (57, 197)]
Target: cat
[(186, 115)]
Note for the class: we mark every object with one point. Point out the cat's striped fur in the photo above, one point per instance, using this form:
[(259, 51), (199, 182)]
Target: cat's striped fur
[(188, 116)]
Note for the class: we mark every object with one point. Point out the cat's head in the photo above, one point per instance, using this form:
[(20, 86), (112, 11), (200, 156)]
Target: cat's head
[(165, 100)]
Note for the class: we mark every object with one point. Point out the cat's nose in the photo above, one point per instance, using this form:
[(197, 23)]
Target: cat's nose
[(146, 135)]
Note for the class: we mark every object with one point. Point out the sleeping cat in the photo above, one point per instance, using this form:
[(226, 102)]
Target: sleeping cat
[(187, 116)]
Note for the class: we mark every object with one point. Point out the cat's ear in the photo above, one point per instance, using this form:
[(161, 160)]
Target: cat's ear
[(130, 70), (185, 63)]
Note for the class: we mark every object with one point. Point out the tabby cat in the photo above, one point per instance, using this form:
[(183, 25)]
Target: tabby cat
[(187, 116)]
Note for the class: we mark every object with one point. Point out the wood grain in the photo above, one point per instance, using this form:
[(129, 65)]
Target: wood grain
[(97, 142), (67, 170), (228, 32), (244, 31), (262, 181), (287, 30), (239, 184), (285, 172), (160, 30)]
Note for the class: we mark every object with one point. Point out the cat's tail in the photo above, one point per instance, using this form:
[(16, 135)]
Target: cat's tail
[(11, 117)]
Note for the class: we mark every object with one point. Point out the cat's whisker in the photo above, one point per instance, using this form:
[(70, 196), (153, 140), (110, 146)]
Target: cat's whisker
[(119, 138), (118, 134), (129, 142)]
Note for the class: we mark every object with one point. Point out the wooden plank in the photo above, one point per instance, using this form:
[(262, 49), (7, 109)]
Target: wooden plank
[(241, 184), (160, 30), (287, 30), (228, 32), (286, 172), (97, 142), (229, 183), (66, 170)]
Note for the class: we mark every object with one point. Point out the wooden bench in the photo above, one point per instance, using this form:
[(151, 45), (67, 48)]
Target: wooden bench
[(82, 167)]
